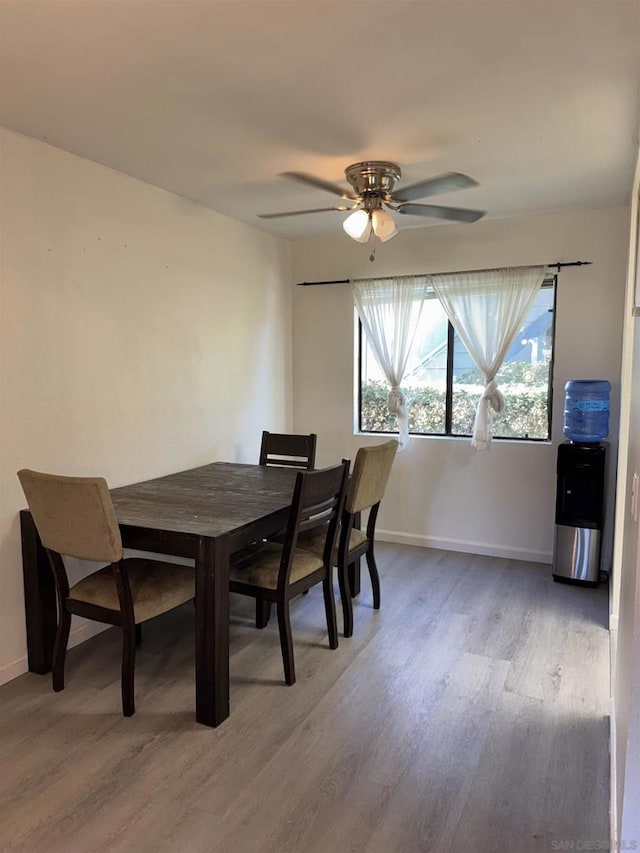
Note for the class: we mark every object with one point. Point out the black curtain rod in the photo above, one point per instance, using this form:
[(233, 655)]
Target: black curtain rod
[(558, 265)]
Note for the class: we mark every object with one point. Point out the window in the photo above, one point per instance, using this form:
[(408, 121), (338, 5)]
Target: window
[(443, 384)]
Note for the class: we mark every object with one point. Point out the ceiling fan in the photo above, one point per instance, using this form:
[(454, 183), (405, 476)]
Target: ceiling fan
[(373, 183)]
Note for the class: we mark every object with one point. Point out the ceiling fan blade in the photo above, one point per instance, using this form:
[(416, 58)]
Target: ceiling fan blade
[(446, 183), (300, 212), (319, 184), (435, 211)]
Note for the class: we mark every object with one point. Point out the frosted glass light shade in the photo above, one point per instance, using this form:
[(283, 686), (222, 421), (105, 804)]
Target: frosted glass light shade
[(358, 226), (383, 225)]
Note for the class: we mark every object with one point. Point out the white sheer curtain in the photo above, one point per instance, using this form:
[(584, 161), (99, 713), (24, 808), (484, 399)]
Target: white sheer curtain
[(486, 308), (389, 310)]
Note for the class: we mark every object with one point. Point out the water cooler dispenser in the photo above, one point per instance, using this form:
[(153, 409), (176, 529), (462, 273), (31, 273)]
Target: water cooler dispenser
[(579, 512), (581, 482)]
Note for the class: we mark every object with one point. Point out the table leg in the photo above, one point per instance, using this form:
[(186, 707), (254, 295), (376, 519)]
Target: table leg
[(40, 606), (212, 631)]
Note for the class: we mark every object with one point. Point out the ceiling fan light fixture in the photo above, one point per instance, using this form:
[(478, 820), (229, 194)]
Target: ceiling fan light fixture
[(383, 224), (358, 226), (373, 190)]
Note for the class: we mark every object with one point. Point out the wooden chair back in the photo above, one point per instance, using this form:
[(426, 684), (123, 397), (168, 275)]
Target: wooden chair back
[(288, 451), (318, 500)]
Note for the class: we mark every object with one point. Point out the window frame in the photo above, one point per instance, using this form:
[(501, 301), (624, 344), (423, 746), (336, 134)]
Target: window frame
[(550, 281)]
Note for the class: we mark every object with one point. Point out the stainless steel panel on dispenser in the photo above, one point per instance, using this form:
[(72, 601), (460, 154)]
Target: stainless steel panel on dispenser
[(576, 555)]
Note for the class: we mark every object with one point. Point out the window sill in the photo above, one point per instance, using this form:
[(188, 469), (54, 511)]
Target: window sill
[(537, 442)]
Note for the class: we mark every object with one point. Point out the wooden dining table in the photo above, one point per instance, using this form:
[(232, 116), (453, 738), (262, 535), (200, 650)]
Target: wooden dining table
[(206, 514)]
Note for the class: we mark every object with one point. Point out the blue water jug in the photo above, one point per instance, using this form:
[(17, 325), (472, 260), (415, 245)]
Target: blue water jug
[(586, 410)]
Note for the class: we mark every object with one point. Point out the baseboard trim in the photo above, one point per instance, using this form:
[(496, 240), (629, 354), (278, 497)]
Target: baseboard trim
[(9, 671), (466, 547), (79, 634)]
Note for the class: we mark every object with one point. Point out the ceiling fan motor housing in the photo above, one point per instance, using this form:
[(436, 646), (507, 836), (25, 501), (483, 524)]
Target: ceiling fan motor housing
[(373, 178)]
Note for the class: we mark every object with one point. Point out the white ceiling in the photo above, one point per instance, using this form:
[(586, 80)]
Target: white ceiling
[(537, 100)]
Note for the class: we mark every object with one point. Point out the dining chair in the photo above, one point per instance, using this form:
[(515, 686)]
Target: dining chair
[(279, 572), (367, 485), (74, 517), (371, 471), (284, 450), (289, 451)]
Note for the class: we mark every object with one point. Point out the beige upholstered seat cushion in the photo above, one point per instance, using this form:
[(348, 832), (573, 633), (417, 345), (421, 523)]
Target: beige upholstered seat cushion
[(356, 538), (315, 539), (260, 567), (155, 587)]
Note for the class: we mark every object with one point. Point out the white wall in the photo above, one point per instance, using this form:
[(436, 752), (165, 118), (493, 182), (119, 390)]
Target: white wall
[(141, 334), (625, 787), (442, 492)]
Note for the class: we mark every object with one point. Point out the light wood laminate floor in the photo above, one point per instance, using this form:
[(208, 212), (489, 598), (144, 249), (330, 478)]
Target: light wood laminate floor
[(469, 714)]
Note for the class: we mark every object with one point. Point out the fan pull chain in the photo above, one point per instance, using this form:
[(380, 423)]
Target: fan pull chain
[(372, 256)]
